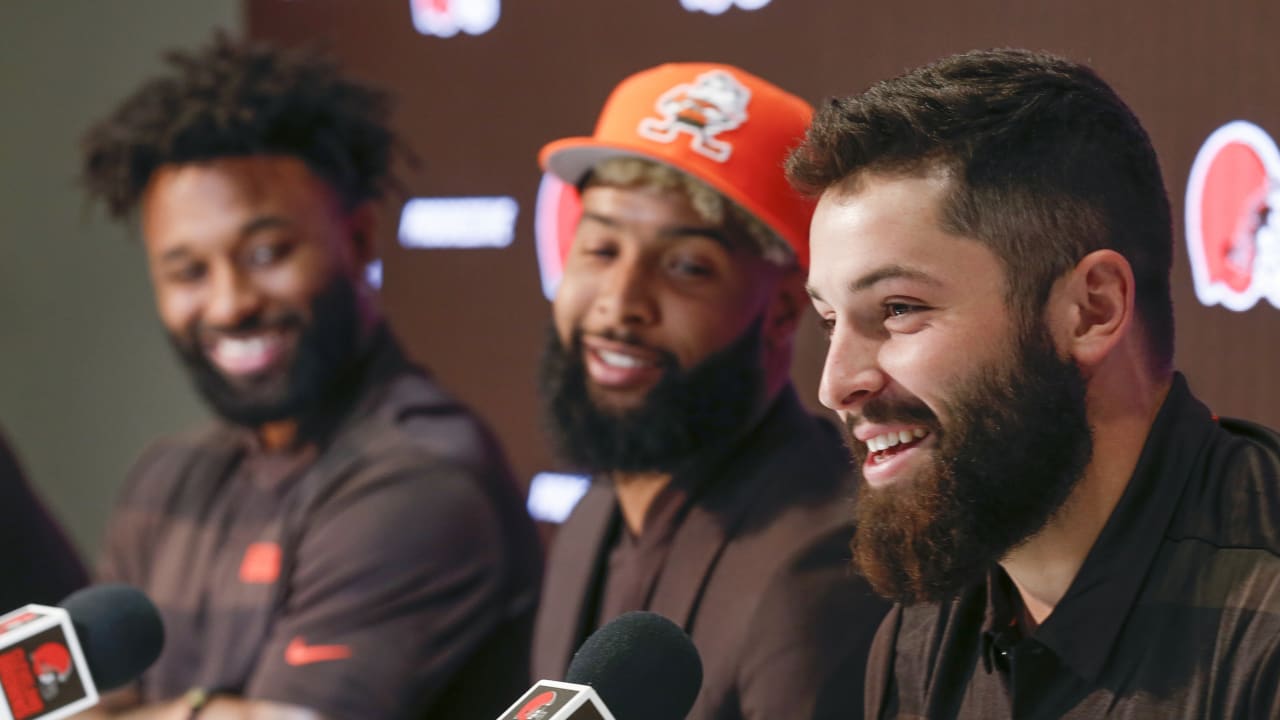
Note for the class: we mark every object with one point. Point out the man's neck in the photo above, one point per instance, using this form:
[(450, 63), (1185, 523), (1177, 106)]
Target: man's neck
[(636, 492), (285, 434), (277, 436), (1043, 568)]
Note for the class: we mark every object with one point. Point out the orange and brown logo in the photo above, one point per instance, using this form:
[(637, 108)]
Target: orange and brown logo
[(1233, 218), (714, 103)]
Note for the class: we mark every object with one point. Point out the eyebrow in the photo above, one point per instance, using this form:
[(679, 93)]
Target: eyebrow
[(264, 222), (882, 274), (173, 255), (891, 272), (671, 233), (256, 225)]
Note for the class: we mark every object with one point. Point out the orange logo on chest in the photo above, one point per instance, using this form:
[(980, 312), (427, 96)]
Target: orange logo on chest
[(261, 563)]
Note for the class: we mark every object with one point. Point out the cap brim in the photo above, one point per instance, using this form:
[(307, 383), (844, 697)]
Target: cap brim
[(571, 159)]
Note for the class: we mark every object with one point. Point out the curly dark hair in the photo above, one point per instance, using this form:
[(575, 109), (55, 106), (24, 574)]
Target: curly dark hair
[(1046, 164), (235, 98)]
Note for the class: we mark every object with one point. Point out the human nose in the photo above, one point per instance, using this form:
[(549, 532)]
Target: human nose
[(625, 295), (851, 373), (233, 298)]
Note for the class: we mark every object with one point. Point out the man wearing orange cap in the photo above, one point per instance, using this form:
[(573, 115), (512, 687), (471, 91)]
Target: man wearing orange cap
[(719, 501)]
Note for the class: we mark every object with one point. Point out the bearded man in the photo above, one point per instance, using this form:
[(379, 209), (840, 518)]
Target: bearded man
[(345, 541), (1068, 532), (718, 500)]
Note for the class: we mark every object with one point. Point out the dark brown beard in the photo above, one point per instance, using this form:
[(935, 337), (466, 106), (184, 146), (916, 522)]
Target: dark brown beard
[(687, 411), (1014, 446), (328, 347)]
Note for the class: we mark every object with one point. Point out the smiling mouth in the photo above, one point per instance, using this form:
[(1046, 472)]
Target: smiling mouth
[(622, 360), (884, 447), (247, 354)]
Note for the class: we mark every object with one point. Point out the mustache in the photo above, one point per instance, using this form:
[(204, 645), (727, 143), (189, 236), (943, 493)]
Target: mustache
[(277, 320), (893, 410), (666, 358)]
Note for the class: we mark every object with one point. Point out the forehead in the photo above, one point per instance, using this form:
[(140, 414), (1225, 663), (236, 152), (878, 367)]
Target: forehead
[(891, 226), (641, 205), (220, 197)]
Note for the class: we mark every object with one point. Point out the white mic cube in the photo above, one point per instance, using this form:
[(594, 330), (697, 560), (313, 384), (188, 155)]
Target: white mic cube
[(43, 673), (552, 700)]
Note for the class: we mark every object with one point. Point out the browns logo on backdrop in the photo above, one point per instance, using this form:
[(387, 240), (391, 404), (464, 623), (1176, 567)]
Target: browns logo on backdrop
[(445, 18), (556, 219), (1233, 218)]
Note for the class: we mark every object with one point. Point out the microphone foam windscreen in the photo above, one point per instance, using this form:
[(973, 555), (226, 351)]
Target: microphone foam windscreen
[(119, 630), (643, 666)]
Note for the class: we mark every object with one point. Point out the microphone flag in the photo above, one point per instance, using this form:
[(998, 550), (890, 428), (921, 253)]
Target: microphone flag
[(553, 700), (43, 672)]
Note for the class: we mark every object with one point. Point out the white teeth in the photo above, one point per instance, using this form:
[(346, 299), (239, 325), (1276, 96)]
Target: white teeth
[(619, 359), (897, 437), (239, 349), (238, 353)]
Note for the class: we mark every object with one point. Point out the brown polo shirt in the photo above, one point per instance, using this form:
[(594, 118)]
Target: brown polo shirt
[(1175, 612), (384, 569)]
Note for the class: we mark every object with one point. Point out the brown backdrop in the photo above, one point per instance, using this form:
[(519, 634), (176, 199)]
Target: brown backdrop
[(477, 108)]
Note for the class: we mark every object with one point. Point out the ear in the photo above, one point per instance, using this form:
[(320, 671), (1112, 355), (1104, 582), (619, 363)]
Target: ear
[(787, 305), (362, 221), (1097, 302)]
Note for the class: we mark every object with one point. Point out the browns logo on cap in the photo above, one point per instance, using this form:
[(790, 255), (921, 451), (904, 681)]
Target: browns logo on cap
[(726, 127)]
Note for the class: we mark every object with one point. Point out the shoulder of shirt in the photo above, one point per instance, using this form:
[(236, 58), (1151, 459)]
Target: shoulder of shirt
[(416, 414), (1232, 501), (800, 497), (158, 467), (810, 479)]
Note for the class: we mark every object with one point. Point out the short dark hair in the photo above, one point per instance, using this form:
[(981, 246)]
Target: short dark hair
[(234, 98), (1046, 164)]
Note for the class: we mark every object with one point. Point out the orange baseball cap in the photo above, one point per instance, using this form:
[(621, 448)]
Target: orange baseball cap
[(726, 127)]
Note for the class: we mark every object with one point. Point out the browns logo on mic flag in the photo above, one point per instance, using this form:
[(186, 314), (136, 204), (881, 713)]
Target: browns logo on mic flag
[(551, 700), (43, 672)]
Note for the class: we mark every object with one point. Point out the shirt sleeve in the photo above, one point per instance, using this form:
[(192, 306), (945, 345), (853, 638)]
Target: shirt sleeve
[(397, 581), (133, 517), (811, 635)]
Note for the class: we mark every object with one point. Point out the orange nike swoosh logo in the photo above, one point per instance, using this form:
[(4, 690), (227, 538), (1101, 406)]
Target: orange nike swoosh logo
[(298, 652)]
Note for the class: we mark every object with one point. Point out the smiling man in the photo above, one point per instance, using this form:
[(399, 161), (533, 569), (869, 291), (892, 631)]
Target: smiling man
[(1067, 530), (718, 500), (345, 542)]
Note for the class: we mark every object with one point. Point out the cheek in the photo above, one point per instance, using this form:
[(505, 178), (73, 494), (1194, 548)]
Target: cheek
[(176, 307), (297, 282), (926, 367), (695, 331), (568, 307)]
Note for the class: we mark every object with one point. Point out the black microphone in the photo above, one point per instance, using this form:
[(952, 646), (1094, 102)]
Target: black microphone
[(55, 660), (640, 666)]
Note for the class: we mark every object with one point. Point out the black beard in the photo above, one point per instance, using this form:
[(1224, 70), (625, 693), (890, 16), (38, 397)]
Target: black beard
[(1016, 443), (687, 411), (327, 348)]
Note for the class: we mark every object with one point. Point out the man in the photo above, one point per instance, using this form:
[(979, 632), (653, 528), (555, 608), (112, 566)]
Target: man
[(39, 564), (718, 501), (1068, 532), (346, 542)]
